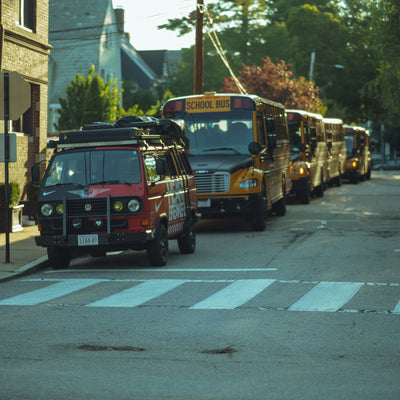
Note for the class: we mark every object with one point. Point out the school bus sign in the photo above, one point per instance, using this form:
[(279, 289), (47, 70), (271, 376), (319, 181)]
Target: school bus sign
[(19, 94), (208, 104)]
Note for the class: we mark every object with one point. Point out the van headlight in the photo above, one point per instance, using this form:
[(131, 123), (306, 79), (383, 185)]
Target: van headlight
[(250, 183), (134, 205), (46, 209)]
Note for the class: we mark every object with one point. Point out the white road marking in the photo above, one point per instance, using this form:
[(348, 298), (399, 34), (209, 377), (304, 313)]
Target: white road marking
[(139, 294), (327, 296), (397, 309), (50, 292), (165, 270), (234, 295)]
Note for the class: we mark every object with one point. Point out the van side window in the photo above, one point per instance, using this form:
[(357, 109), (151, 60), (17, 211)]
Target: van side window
[(150, 168)]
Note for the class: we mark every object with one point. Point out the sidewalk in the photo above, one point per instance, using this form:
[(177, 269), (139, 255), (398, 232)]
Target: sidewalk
[(25, 256)]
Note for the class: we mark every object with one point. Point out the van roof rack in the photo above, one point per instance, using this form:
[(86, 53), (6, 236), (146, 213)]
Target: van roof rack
[(127, 130)]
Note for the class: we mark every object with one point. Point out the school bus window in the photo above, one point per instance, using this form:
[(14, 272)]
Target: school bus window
[(261, 129)]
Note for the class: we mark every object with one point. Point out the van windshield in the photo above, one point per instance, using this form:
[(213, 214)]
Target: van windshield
[(219, 132), (91, 167)]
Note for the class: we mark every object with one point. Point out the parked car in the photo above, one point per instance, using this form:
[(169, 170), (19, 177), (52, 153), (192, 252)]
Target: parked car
[(388, 165)]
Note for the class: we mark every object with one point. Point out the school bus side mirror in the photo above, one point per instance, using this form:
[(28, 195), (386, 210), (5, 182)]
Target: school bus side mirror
[(255, 148), (270, 125), (271, 141)]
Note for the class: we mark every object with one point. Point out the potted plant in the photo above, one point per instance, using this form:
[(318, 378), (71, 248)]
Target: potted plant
[(15, 209)]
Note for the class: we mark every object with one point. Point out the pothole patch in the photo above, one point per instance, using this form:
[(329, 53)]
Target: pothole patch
[(225, 350), (100, 347)]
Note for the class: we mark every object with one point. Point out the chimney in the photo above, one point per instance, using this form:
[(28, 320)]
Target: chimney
[(120, 17)]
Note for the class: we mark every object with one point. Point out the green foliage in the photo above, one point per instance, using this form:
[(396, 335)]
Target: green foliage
[(89, 100), (14, 194)]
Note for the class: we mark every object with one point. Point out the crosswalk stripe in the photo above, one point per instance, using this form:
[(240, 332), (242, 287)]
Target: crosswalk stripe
[(49, 293), (139, 294), (397, 309), (234, 295), (327, 296)]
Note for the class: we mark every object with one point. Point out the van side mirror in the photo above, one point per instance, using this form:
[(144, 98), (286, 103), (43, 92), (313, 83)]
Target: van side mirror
[(35, 173), (160, 167)]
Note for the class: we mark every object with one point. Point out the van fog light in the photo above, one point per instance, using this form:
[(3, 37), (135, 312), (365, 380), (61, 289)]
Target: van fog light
[(118, 206)]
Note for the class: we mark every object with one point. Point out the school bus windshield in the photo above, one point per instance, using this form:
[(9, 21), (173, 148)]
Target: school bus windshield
[(349, 138), (295, 136), (219, 132)]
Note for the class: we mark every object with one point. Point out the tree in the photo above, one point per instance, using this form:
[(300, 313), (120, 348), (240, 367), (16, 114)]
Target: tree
[(275, 82), (88, 100)]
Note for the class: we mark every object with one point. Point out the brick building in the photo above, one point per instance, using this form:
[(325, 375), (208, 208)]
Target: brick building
[(24, 48)]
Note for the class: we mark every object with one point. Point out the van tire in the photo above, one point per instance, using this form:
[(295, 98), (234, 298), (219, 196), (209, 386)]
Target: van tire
[(157, 252), (58, 257), (187, 241)]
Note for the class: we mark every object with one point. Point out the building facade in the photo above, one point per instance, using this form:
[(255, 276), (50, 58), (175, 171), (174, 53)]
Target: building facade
[(24, 48)]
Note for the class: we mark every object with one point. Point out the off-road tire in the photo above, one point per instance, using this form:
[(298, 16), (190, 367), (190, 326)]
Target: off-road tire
[(187, 241), (157, 252)]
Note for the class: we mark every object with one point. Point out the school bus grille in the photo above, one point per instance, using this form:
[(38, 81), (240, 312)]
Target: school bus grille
[(213, 183)]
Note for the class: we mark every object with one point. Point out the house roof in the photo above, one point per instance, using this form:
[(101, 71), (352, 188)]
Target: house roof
[(75, 29), (158, 60)]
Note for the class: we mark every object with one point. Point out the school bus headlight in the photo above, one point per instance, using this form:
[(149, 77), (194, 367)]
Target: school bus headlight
[(46, 209), (118, 206), (250, 183), (60, 209), (134, 205), (351, 163), (298, 171)]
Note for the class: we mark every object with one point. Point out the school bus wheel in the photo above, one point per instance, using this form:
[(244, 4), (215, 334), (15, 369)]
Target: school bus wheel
[(259, 211)]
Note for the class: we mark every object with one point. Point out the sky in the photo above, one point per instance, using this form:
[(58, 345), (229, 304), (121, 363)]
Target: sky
[(142, 18)]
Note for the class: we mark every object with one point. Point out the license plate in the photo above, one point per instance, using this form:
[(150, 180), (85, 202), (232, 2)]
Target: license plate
[(88, 240), (204, 203)]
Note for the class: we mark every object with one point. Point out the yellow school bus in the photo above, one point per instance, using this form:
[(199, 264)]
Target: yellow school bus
[(336, 150), (239, 151), (358, 162), (309, 154)]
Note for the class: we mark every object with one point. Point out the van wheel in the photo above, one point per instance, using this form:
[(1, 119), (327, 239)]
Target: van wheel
[(58, 257), (187, 241), (157, 252), (259, 213)]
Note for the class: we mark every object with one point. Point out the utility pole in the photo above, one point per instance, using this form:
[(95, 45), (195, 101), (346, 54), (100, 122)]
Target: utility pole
[(198, 51)]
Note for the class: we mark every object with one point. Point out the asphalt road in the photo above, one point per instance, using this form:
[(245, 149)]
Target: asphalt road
[(308, 309)]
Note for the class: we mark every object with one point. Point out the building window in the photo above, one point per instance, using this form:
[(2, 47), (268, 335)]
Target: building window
[(26, 14), (109, 43)]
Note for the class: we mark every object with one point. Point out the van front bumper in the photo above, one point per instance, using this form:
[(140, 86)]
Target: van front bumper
[(108, 241)]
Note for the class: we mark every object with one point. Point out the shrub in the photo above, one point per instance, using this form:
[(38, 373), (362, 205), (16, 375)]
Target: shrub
[(14, 194)]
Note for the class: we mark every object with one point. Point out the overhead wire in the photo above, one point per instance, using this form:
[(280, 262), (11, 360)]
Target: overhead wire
[(212, 34)]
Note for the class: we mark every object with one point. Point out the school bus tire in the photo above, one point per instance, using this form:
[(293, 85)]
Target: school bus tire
[(157, 252), (187, 241), (58, 257), (320, 189), (279, 208), (304, 196), (259, 212)]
